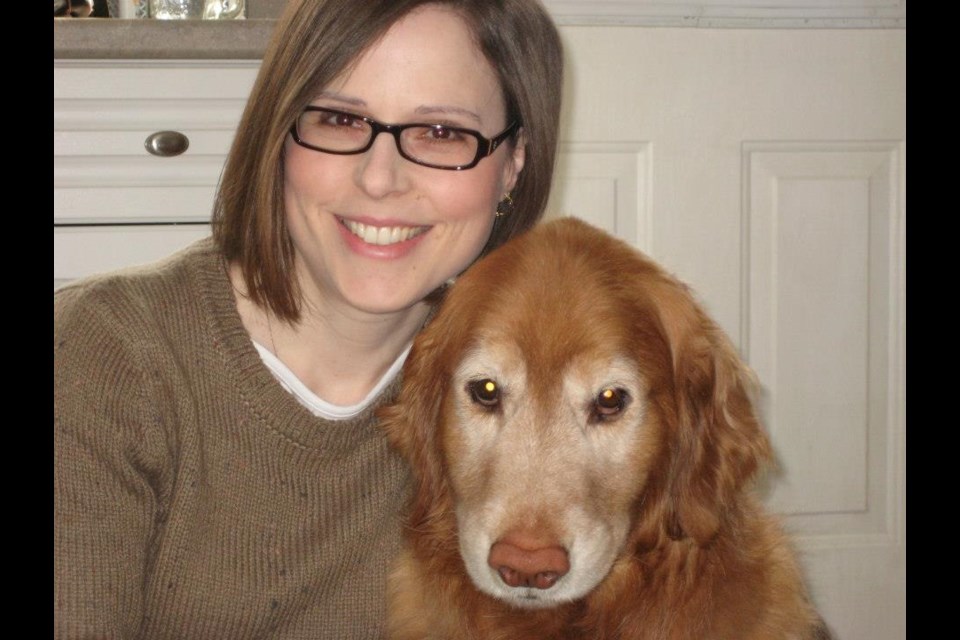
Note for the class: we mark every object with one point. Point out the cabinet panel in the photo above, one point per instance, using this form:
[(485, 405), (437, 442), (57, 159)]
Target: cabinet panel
[(86, 250)]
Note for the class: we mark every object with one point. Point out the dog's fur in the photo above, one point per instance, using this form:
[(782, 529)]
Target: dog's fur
[(644, 492)]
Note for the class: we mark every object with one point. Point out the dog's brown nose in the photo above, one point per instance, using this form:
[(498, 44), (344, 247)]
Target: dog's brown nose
[(526, 561)]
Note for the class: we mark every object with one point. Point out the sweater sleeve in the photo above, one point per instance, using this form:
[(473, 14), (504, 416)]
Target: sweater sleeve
[(107, 454)]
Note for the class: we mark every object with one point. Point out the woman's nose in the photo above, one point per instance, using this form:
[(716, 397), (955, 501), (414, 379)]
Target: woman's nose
[(382, 169)]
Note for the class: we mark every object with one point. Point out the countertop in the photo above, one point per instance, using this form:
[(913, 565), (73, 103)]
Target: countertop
[(111, 38)]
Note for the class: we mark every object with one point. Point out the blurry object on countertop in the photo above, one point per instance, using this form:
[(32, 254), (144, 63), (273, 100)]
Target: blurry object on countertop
[(80, 9), (160, 9), (176, 9), (129, 9), (224, 9), (96, 8), (196, 9)]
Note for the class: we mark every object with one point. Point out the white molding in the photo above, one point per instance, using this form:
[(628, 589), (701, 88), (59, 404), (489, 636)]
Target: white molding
[(608, 185), (155, 63), (764, 14), (835, 541), (897, 450)]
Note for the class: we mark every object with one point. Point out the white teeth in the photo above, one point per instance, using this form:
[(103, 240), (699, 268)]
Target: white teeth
[(382, 235)]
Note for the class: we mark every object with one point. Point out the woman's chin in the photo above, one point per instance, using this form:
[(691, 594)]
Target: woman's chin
[(387, 301)]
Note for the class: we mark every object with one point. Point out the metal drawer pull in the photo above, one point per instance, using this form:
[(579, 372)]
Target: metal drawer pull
[(166, 144)]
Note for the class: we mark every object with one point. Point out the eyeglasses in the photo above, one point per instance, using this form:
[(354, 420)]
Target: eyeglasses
[(431, 145)]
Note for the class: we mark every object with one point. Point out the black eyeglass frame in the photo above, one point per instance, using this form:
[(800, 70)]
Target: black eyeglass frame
[(485, 146)]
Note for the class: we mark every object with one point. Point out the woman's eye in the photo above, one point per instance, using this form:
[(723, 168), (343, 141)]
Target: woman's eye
[(484, 392), (335, 119), (609, 402), (440, 133), (341, 120)]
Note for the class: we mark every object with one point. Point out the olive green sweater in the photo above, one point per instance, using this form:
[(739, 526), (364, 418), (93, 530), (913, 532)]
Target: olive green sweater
[(193, 496)]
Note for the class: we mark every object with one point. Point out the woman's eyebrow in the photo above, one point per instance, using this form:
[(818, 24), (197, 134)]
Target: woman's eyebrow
[(333, 95), (448, 110), (425, 110)]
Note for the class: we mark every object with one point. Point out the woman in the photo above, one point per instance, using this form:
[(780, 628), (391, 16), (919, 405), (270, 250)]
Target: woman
[(218, 470)]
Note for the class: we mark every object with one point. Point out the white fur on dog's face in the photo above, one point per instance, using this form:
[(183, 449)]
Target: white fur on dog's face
[(543, 461)]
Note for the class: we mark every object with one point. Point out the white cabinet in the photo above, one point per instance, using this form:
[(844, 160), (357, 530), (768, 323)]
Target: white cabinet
[(766, 167), (114, 203)]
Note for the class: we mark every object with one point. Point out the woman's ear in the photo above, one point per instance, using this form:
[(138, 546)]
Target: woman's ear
[(513, 167)]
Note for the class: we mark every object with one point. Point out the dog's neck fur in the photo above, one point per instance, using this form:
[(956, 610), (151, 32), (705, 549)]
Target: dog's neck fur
[(674, 589)]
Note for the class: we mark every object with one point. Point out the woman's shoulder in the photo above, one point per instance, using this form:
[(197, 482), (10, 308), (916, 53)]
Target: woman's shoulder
[(133, 299), (143, 285)]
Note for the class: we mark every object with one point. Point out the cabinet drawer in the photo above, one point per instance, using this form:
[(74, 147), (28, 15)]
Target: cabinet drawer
[(103, 115)]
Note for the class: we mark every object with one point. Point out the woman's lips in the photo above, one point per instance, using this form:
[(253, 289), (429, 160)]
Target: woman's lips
[(381, 236)]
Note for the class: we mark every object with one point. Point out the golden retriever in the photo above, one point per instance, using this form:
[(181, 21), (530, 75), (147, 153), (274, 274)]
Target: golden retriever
[(581, 436)]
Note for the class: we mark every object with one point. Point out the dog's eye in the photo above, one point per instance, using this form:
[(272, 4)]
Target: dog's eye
[(484, 392), (609, 402)]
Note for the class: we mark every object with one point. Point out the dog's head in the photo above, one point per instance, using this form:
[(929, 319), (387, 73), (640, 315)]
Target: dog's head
[(570, 404)]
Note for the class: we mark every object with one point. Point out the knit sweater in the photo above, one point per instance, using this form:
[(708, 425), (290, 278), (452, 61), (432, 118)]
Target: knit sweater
[(193, 496)]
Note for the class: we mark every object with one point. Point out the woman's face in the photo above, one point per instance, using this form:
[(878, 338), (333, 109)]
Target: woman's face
[(425, 69)]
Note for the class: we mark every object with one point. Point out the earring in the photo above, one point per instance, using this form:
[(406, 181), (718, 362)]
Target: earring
[(505, 206)]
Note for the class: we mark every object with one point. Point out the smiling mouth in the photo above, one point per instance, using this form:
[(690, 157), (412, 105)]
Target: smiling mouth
[(381, 235)]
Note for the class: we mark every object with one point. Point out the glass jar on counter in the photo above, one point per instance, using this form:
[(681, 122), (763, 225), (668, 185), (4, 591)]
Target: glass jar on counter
[(196, 9)]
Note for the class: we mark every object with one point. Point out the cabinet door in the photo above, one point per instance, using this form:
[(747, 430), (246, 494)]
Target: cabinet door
[(766, 168)]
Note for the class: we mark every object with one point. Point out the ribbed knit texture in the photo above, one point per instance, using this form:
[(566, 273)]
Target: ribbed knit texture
[(193, 496)]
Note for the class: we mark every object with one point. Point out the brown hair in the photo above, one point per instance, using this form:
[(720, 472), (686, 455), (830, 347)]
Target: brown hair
[(314, 41)]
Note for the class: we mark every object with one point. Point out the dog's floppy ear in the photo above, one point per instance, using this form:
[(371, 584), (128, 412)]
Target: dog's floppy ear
[(717, 443), (414, 422)]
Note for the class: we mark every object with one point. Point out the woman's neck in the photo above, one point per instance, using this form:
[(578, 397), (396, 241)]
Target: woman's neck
[(338, 352)]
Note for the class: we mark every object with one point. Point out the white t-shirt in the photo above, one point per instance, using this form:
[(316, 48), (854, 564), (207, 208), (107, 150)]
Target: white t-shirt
[(314, 403)]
